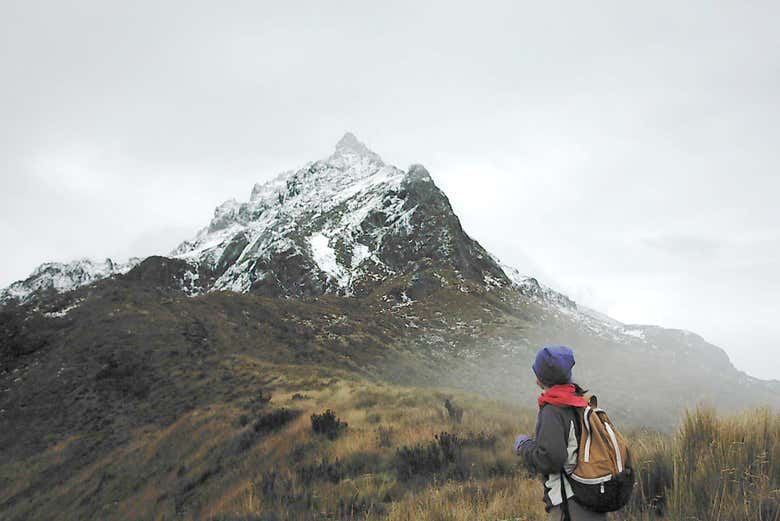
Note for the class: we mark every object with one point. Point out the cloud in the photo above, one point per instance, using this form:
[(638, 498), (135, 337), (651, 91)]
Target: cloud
[(686, 246)]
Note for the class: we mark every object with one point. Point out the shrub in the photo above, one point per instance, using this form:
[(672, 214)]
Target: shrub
[(457, 457), (267, 422), (334, 471), (274, 420), (427, 458), (299, 396), (481, 439), (455, 413), (419, 459), (327, 424)]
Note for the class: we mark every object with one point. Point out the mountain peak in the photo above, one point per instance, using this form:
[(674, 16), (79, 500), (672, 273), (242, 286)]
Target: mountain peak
[(350, 145)]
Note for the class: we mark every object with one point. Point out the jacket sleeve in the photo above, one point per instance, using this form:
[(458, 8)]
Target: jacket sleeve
[(548, 452)]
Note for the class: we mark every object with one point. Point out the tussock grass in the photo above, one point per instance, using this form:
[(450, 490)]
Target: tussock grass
[(257, 458), (727, 468), (712, 469)]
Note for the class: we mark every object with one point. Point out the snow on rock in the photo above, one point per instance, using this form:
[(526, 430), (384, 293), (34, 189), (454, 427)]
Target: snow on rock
[(530, 287), (340, 225), (61, 277), (360, 252), (330, 216), (64, 311), (332, 226), (325, 257)]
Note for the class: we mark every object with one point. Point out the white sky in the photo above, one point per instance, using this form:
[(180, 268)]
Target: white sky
[(627, 155)]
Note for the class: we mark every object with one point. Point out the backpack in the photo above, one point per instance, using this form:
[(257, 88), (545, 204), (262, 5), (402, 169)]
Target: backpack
[(603, 478)]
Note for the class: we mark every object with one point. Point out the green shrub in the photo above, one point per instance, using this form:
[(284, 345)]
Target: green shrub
[(327, 424)]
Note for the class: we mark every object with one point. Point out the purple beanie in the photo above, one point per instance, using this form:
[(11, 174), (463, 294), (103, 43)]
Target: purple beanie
[(553, 365)]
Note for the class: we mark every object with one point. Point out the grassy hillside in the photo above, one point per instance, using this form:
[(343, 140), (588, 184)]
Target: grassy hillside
[(142, 403), (391, 453), (127, 353)]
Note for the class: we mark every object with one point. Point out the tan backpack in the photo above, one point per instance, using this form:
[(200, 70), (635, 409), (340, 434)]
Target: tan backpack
[(603, 479)]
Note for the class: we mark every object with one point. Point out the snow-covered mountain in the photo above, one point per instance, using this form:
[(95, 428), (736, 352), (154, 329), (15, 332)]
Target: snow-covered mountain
[(61, 277), (339, 225), (413, 299)]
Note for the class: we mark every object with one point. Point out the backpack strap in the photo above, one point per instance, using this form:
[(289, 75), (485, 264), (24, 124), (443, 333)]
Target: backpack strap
[(566, 516)]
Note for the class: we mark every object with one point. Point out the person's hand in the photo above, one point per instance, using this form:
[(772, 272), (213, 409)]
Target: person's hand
[(520, 441)]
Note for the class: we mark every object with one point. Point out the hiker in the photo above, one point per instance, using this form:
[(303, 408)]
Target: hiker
[(556, 443)]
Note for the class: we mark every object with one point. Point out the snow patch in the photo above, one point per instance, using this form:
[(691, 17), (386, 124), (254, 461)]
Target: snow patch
[(360, 252), (325, 257), (64, 311)]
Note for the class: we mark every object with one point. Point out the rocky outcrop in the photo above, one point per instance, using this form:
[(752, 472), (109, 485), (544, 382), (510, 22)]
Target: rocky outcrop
[(166, 273)]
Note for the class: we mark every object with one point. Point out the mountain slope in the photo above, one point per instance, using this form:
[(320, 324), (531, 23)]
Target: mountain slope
[(377, 278)]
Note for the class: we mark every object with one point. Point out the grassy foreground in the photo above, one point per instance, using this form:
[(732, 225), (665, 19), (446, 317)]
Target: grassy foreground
[(386, 453)]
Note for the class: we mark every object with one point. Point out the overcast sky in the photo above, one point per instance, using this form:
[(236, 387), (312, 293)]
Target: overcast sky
[(627, 155)]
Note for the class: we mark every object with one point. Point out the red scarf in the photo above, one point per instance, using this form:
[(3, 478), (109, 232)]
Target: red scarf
[(562, 395)]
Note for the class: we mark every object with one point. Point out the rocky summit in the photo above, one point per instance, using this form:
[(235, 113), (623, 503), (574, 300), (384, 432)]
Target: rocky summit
[(339, 225)]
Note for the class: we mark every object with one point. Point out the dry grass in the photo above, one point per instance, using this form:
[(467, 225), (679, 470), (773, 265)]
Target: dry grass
[(209, 465), (498, 498)]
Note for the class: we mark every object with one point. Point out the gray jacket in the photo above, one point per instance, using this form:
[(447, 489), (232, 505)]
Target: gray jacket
[(554, 448)]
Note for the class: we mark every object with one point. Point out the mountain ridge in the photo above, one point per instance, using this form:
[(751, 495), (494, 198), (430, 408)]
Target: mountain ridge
[(349, 197), (351, 227)]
